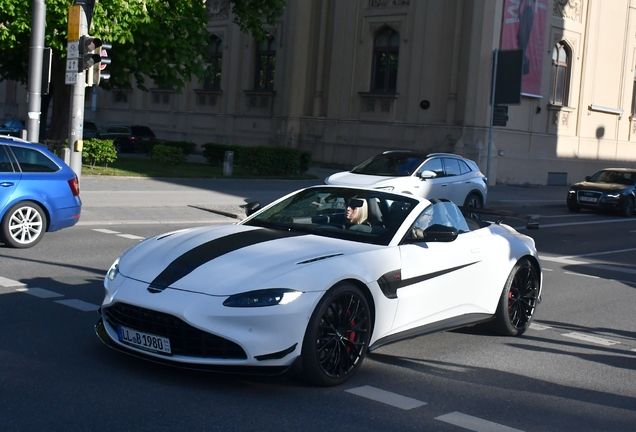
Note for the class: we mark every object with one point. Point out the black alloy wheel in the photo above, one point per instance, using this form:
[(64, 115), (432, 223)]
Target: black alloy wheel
[(337, 336), (518, 300)]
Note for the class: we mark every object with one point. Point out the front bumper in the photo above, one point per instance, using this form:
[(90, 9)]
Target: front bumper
[(219, 337)]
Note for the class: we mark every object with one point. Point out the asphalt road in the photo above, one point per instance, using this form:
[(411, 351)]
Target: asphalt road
[(573, 370)]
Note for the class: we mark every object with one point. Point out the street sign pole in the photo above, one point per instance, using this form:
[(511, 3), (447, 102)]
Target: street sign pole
[(77, 26), (34, 83)]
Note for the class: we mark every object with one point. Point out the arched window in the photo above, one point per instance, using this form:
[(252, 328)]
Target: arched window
[(561, 58), (386, 50), (214, 64), (265, 64)]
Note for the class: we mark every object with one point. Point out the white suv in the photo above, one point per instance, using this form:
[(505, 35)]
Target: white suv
[(436, 175)]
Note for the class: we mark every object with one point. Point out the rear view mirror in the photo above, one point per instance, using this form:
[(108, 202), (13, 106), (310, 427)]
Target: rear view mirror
[(251, 207), (426, 174)]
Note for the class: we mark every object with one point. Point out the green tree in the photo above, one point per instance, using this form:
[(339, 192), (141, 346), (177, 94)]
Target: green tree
[(164, 40)]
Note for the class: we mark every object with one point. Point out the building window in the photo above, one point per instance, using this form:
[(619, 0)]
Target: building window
[(214, 65), (265, 64), (386, 50), (560, 74)]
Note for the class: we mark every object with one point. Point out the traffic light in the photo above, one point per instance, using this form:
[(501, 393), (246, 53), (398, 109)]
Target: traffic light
[(94, 59), (88, 54), (98, 69)]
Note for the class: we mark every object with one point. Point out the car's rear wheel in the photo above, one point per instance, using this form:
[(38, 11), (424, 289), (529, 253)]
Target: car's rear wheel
[(23, 225), (518, 300), (337, 336), (473, 201), (628, 209)]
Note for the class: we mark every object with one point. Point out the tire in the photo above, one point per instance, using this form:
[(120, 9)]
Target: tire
[(23, 225), (628, 209), (473, 200), (337, 337), (518, 300)]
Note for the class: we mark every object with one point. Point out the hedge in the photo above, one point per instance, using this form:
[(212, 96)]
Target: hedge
[(267, 161)]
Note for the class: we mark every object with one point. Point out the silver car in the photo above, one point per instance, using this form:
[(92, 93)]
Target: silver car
[(435, 175)]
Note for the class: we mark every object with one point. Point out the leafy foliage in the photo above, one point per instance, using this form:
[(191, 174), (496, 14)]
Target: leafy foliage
[(168, 155), (99, 151), (164, 40)]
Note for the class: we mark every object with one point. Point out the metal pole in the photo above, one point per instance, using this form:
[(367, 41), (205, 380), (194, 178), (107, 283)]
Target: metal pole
[(495, 54), (76, 115), (34, 82)]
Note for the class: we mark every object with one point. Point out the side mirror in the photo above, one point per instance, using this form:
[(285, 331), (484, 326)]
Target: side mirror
[(427, 174), (251, 207), (434, 233), (587, 178)]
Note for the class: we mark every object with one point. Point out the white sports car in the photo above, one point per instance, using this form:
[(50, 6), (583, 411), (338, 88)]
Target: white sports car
[(301, 282)]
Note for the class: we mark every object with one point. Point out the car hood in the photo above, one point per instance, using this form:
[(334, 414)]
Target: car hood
[(347, 178), (603, 187), (225, 260)]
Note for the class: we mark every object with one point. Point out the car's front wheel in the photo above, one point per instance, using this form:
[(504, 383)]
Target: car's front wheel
[(337, 336), (518, 300), (23, 225)]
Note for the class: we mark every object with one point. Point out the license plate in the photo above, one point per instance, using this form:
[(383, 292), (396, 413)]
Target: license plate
[(588, 199), (143, 340)]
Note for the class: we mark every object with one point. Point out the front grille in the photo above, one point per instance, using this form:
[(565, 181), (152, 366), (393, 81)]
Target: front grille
[(184, 339), (588, 197)]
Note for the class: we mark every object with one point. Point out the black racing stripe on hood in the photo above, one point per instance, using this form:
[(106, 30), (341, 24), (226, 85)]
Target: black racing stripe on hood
[(206, 252)]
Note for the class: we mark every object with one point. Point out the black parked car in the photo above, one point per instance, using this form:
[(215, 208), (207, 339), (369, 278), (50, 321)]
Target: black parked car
[(90, 130), (609, 189), (127, 138)]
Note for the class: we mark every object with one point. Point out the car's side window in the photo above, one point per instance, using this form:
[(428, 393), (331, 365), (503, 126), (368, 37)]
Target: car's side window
[(33, 161), (5, 162), (443, 213), (451, 166), (434, 165), (463, 167)]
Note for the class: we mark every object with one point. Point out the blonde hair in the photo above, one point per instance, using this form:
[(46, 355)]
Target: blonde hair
[(360, 214)]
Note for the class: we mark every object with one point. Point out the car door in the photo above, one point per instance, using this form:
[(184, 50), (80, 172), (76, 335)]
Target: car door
[(9, 179), (458, 185), (439, 280), (435, 187)]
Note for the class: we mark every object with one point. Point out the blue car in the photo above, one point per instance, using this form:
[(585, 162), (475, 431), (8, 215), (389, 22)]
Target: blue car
[(38, 193)]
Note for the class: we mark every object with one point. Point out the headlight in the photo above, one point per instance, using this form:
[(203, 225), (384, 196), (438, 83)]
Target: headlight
[(615, 195), (113, 271), (572, 191), (386, 188), (261, 298)]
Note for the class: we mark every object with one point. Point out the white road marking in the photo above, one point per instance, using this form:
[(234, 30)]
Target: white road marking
[(588, 338), (105, 231), (39, 292), (79, 304), (9, 282), (581, 274), (570, 261), (539, 327), (474, 423), (386, 397), (130, 236), (584, 223)]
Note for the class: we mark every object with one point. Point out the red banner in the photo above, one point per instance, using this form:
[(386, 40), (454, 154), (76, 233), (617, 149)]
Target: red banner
[(524, 28)]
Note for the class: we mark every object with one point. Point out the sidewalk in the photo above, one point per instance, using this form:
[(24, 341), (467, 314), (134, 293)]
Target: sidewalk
[(127, 200)]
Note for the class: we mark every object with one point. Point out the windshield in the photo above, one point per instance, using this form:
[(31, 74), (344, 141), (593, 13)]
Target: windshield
[(350, 214), (390, 164), (616, 177)]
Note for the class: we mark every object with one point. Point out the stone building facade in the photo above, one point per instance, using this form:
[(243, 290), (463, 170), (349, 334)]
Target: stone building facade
[(348, 79)]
